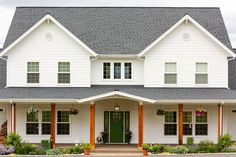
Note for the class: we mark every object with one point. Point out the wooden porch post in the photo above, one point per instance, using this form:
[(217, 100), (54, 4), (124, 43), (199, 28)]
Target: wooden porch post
[(53, 126), (14, 117), (180, 128), (140, 123), (220, 120), (92, 124)]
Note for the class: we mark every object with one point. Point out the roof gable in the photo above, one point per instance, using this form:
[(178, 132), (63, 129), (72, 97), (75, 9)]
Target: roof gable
[(187, 18), (119, 30)]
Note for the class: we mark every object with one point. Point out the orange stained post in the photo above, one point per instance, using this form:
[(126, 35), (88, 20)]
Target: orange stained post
[(180, 128), (140, 123), (53, 126), (92, 124), (14, 117), (220, 120)]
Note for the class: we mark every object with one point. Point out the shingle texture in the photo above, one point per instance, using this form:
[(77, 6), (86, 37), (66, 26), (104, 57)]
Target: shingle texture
[(120, 30)]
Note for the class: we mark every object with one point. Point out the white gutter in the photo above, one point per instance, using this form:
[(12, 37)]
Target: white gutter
[(38, 100)]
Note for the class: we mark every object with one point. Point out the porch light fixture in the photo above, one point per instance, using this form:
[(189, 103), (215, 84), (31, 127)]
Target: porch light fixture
[(117, 107)]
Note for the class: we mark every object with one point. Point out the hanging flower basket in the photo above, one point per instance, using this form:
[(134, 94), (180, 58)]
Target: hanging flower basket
[(32, 110), (200, 112), (74, 111), (160, 112)]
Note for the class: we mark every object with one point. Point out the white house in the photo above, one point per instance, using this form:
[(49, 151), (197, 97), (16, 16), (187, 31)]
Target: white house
[(164, 74)]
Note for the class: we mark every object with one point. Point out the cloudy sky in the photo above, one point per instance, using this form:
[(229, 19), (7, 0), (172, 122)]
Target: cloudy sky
[(228, 8)]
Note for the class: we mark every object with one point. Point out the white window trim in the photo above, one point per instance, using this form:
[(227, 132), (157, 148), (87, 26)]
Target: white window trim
[(63, 122), (131, 71), (39, 126), (206, 84), (120, 71), (32, 84), (63, 84), (177, 124), (167, 84)]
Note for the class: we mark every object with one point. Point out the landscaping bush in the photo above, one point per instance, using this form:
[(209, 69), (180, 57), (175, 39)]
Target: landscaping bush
[(190, 141), (75, 150), (179, 150), (224, 142), (40, 150), (45, 144), (157, 149), (25, 148), (6, 150), (53, 152), (145, 146), (14, 140), (205, 146), (193, 148)]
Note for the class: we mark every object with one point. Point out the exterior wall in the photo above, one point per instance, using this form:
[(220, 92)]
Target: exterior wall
[(229, 120), (154, 125), (35, 47), (5, 116), (97, 72), (125, 105), (173, 48), (79, 124)]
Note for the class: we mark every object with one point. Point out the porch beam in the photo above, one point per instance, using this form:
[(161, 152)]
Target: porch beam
[(180, 126), (53, 125), (140, 124), (92, 124)]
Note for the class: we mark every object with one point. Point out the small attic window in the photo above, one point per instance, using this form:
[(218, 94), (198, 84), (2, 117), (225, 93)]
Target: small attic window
[(48, 36), (186, 36)]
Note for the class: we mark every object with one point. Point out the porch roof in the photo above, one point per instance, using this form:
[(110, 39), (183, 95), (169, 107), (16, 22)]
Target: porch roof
[(139, 92)]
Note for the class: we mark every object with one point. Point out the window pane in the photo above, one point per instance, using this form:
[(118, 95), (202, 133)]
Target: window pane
[(63, 78), (32, 128), (128, 70), (170, 78), (170, 117), (64, 67), (33, 67), (46, 128), (201, 67), (201, 119), (63, 129), (117, 70), (32, 77), (187, 129), (32, 117), (201, 79), (62, 116), (170, 129), (201, 129), (46, 116), (170, 67), (187, 117), (106, 70)]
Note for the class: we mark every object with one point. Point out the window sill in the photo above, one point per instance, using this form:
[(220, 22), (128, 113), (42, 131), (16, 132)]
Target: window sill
[(117, 80), (64, 85), (32, 85)]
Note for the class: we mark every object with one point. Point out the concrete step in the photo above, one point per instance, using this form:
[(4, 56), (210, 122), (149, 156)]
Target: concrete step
[(111, 149)]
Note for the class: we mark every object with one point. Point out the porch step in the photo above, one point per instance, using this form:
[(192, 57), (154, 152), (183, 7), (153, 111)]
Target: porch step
[(116, 149)]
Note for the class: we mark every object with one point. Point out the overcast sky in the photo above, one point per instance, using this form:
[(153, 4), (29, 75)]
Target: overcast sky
[(228, 9)]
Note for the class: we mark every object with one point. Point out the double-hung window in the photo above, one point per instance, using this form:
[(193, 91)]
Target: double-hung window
[(117, 70), (170, 73), (187, 123), (32, 124), (63, 123), (32, 72), (46, 122), (63, 72), (201, 126), (201, 76), (128, 71), (170, 126), (106, 70)]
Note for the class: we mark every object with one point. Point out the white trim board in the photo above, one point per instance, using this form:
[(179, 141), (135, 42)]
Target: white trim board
[(47, 17), (186, 18)]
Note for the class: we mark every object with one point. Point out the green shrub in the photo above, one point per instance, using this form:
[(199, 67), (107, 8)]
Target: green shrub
[(193, 148), (157, 149), (45, 144), (212, 149), (14, 140), (25, 148), (205, 145), (76, 150), (40, 150), (53, 152), (190, 141), (179, 150), (145, 146), (86, 146), (224, 142)]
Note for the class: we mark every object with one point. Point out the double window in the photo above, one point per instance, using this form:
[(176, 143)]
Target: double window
[(63, 72), (170, 73), (63, 123), (32, 72), (201, 76), (117, 71)]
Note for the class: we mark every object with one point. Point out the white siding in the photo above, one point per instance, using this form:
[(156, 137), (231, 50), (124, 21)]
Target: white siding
[(35, 47), (154, 125), (97, 72), (230, 117), (199, 48)]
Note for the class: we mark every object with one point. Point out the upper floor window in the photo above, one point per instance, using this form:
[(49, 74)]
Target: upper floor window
[(170, 73), (128, 71), (106, 70), (117, 70), (63, 72), (201, 73), (32, 72)]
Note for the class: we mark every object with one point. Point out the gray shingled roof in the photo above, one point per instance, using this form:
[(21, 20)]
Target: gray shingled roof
[(117, 30)]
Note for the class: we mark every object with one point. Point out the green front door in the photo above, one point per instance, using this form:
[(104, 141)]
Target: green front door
[(116, 127)]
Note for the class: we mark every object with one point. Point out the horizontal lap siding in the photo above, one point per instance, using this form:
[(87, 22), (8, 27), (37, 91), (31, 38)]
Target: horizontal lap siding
[(199, 48), (35, 47), (230, 125)]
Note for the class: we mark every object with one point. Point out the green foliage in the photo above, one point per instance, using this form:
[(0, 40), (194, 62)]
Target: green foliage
[(205, 145), (224, 142), (86, 146), (145, 146), (75, 150), (157, 149), (53, 152), (179, 150), (190, 141), (45, 144), (40, 150), (193, 148), (25, 148), (14, 140)]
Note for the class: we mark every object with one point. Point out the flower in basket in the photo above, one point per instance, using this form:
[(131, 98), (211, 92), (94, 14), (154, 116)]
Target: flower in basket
[(160, 112), (200, 112), (74, 111), (32, 110)]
